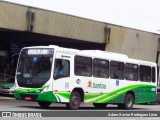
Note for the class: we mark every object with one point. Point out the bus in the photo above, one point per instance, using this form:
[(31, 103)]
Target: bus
[(53, 74)]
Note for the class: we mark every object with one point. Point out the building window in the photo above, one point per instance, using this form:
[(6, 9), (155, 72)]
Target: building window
[(116, 70), (101, 68)]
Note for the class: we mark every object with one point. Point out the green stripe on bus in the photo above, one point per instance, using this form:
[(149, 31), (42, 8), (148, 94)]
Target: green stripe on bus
[(65, 95), (141, 91), (31, 90), (103, 98)]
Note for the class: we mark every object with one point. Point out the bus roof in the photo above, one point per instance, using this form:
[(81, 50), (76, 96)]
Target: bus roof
[(97, 53)]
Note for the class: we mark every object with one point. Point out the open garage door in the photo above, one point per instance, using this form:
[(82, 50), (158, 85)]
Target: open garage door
[(30, 39), (12, 41)]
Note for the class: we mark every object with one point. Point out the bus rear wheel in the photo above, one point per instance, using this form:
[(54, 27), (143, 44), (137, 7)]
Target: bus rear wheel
[(128, 103), (44, 104), (75, 101), (100, 105)]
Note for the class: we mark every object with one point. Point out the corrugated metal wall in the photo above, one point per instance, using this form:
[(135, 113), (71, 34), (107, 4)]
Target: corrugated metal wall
[(13, 16), (51, 23), (158, 52), (136, 44)]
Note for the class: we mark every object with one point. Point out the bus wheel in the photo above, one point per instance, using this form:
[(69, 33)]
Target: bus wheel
[(75, 101), (44, 104), (128, 103), (100, 105)]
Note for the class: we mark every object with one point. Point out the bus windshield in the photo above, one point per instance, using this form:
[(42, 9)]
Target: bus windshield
[(34, 67)]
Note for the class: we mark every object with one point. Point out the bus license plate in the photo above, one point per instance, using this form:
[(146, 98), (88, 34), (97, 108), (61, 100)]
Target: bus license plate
[(5, 91), (28, 98)]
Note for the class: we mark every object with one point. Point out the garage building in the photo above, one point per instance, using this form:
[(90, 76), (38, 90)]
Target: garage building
[(28, 26)]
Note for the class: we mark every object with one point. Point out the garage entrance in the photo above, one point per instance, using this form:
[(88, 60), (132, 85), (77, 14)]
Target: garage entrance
[(12, 41)]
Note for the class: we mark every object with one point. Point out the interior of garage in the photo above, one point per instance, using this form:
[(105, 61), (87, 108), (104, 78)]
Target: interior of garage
[(12, 41)]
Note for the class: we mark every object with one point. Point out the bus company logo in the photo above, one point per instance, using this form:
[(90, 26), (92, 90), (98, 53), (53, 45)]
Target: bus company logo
[(99, 86), (95, 85), (89, 84)]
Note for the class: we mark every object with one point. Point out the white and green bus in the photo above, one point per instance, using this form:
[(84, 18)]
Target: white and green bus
[(52, 74)]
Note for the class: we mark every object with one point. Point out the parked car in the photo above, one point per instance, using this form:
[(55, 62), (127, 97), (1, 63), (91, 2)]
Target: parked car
[(7, 87), (158, 94)]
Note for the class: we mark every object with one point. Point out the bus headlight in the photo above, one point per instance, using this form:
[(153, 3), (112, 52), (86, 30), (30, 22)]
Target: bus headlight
[(15, 87), (46, 88), (12, 89)]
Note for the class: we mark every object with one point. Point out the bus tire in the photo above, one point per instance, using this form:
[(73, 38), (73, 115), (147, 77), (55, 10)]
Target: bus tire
[(100, 105), (44, 104), (75, 101), (128, 103)]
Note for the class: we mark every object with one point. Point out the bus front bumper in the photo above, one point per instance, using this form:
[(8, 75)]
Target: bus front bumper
[(46, 96)]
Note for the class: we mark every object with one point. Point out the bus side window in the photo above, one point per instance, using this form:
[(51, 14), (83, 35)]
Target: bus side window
[(153, 75), (145, 73), (131, 72), (100, 68), (116, 70), (61, 68), (83, 66)]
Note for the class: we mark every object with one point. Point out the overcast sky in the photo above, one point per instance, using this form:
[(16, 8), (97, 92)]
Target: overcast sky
[(138, 14)]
